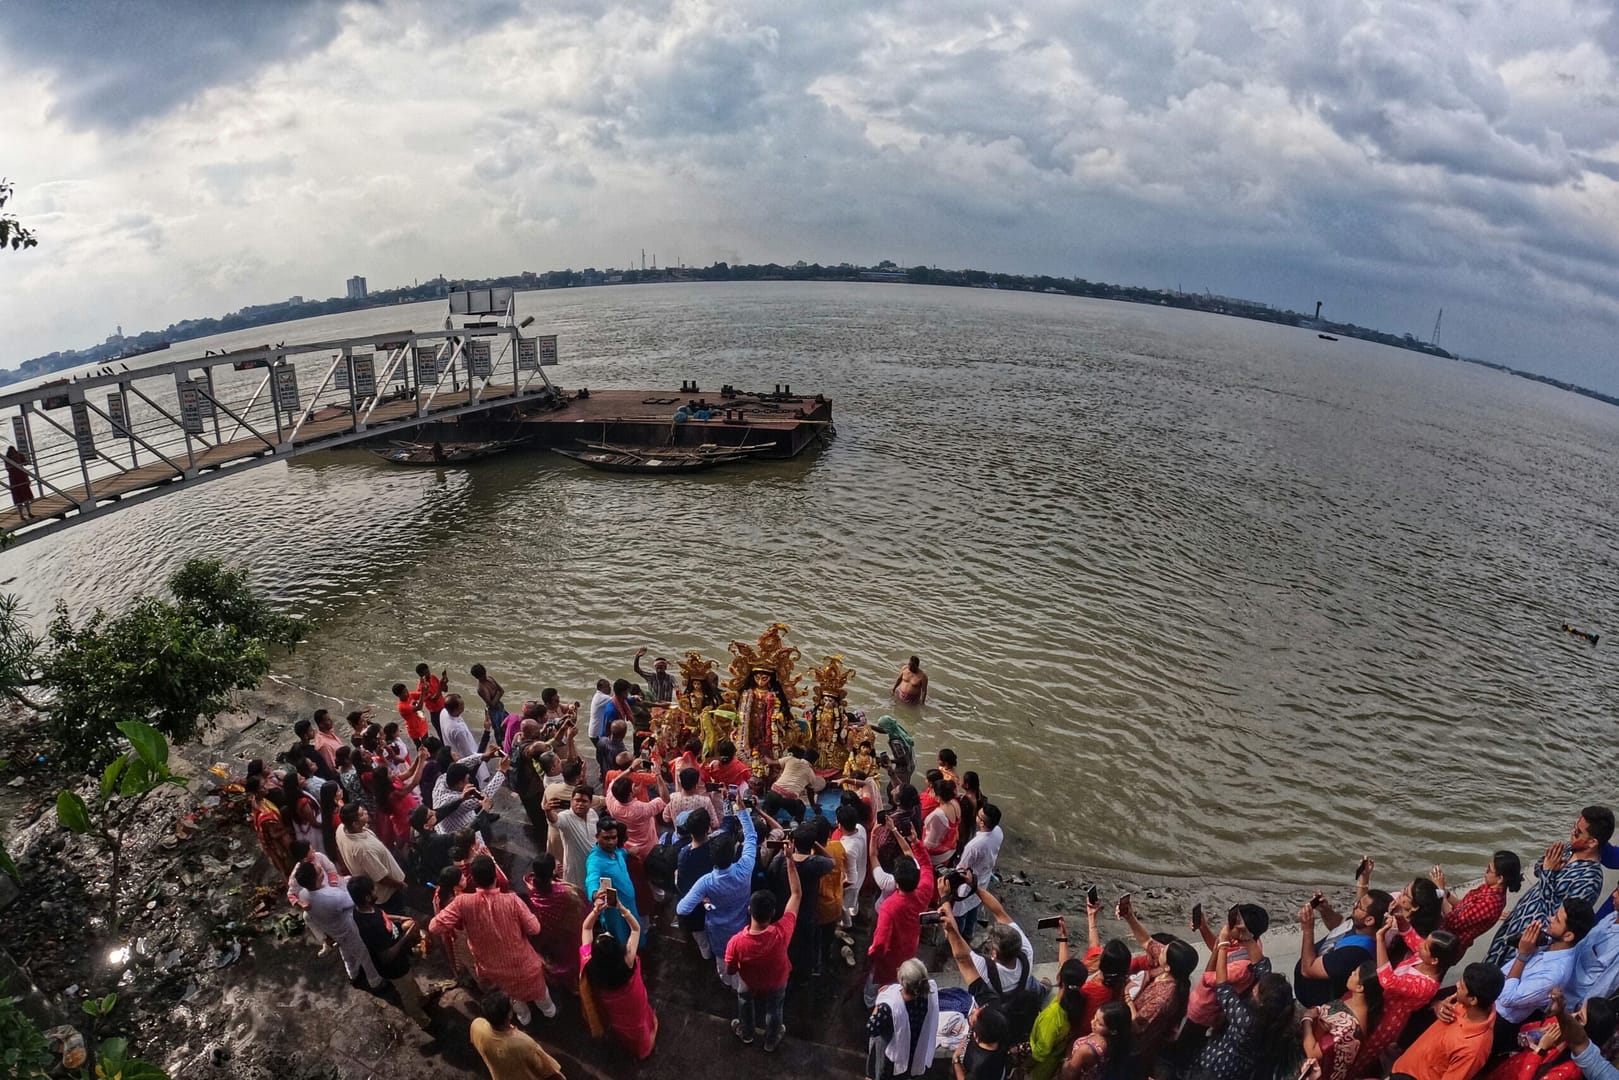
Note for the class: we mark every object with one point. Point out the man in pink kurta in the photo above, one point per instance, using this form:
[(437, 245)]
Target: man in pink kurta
[(498, 926)]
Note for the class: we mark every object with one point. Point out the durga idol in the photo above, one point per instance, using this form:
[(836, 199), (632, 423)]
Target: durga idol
[(766, 720)]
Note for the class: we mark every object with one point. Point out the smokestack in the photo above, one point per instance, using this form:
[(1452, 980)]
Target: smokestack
[(1318, 309)]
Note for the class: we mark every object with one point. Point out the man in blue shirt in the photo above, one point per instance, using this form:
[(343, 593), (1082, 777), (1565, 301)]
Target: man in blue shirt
[(607, 861), (1596, 961), (1572, 869), (1536, 971), (724, 892)]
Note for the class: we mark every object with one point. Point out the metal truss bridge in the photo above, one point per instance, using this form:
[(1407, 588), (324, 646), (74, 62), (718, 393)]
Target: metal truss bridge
[(95, 443)]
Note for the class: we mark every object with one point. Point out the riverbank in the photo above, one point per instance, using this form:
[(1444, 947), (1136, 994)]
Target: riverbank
[(217, 979)]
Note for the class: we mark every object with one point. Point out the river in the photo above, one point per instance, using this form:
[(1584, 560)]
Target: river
[(1198, 596)]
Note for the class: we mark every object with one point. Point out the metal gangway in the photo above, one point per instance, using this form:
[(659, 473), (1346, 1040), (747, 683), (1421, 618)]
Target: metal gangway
[(120, 435)]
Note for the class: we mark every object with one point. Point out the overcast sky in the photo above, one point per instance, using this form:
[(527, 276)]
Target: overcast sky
[(185, 158)]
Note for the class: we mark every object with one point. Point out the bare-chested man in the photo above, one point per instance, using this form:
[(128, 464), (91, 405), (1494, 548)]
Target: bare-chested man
[(911, 686)]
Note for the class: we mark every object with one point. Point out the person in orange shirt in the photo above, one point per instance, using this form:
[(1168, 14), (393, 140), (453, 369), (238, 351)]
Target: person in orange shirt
[(410, 712), (430, 690), (1459, 1042)]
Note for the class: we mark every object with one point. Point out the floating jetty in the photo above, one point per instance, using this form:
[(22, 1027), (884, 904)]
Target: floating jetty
[(777, 424)]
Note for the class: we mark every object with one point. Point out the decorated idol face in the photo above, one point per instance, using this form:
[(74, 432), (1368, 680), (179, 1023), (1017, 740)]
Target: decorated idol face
[(829, 702), (761, 680)]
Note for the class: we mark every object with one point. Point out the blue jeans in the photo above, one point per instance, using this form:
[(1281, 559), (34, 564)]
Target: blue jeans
[(968, 923), (752, 1008)]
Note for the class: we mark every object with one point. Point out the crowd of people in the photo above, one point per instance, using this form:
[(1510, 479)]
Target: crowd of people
[(382, 831)]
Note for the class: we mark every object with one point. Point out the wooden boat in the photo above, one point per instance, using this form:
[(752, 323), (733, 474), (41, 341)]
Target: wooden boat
[(1326, 337), (441, 453), (656, 459)]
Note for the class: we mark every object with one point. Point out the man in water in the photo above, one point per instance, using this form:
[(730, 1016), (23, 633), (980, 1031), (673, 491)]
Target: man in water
[(911, 685), (660, 684)]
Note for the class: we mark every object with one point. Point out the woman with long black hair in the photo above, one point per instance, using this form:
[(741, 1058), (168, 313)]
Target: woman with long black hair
[(1104, 1054)]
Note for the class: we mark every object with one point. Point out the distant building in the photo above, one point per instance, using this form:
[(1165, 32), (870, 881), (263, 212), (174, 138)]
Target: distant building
[(356, 287)]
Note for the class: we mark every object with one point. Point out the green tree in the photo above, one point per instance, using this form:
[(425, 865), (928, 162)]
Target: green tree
[(172, 664), (12, 233)]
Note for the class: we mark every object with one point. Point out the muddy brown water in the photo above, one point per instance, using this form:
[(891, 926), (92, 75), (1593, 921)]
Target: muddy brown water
[(1199, 597)]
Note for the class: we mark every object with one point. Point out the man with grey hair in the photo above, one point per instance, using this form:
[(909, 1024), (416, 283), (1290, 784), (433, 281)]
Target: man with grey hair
[(904, 1025)]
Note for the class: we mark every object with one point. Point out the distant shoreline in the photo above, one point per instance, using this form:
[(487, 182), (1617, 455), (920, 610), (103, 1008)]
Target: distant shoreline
[(883, 273)]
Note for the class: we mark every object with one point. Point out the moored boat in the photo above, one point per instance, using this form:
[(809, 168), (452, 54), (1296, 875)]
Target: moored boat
[(442, 454), (654, 459)]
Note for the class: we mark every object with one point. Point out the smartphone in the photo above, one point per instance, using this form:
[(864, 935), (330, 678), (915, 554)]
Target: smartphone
[(882, 817), (611, 895), (1197, 915), (1093, 896), (1317, 900), (1233, 918), (715, 787), (1361, 870), (1050, 922), (1123, 903), (931, 918)]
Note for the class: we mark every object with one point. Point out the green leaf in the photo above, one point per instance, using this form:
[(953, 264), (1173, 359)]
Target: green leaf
[(109, 1002), (109, 779), (137, 780), (92, 1007), (148, 742), (72, 813)]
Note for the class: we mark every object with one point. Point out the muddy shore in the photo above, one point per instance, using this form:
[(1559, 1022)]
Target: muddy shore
[(218, 981)]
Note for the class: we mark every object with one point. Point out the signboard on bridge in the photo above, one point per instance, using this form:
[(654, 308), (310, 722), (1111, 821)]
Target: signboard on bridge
[(427, 371), (286, 389), (528, 354), (340, 377), (365, 376), (193, 405), (81, 430), (115, 413), (19, 435), (478, 362), (548, 350)]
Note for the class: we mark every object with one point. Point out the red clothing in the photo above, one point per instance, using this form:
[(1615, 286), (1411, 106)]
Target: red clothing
[(498, 926), (640, 782), (391, 820), (737, 773), (1404, 992), (1475, 913), (561, 911), (761, 959), (430, 692), (1096, 995), (415, 722), (1526, 1064), (899, 930), (626, 1010)]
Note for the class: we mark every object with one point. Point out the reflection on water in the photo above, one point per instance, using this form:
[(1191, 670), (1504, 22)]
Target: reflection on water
[(1196, 595)]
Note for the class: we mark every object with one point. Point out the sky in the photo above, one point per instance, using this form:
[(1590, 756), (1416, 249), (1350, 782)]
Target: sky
[(1391, 158)]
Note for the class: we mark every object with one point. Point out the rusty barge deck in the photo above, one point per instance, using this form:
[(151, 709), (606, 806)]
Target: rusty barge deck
[(784, 422)]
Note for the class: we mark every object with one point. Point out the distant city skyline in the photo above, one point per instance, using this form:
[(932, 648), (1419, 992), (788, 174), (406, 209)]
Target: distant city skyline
[(1390, 160)]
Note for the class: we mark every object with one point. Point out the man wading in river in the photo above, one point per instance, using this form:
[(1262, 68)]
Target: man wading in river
[(911, 685)]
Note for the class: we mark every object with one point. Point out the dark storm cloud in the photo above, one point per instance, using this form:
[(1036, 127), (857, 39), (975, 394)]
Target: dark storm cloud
[(113, 64)]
